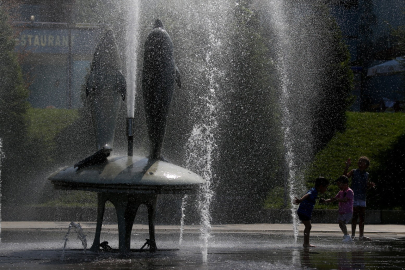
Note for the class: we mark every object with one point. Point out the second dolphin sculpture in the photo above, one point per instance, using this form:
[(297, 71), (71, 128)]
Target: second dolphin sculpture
[(158, 78)]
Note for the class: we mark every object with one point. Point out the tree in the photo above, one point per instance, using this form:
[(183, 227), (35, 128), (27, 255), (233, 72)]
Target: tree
[(399, 33), (336, 85), (249, 155), (13, 106)]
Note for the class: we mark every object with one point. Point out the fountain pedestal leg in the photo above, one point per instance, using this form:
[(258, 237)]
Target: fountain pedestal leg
[(126, 206)]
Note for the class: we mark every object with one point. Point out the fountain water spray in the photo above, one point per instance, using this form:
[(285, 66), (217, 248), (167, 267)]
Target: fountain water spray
[(202, 146), (80, 235), (281, 27), (297, 86), (183, 216), (132, 43)]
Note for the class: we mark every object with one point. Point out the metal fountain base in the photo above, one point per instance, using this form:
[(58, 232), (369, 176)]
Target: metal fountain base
[(126, 206), (127, 182)]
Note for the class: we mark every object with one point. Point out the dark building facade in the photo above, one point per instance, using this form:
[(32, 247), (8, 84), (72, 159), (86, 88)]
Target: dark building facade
[(56, 52), (367, 29)]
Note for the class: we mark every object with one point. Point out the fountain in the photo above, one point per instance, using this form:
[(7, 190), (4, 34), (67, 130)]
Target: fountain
[(129, 181), (227, 141)]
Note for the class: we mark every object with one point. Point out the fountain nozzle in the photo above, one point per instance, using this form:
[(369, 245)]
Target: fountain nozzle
[(130, 133)]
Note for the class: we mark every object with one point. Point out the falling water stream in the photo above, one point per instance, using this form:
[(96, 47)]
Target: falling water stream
[(296, 93), (202, 145), (132, 47), (183, 217), (280, 23), (80, 235)]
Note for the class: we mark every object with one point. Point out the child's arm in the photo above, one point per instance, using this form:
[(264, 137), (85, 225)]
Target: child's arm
[(370, 184), (322, 201), (346, 171), (341, 199), (330, 200), (298, 201)]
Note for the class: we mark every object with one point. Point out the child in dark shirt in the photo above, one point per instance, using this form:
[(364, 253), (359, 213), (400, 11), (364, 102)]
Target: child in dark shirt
[(306, 207)]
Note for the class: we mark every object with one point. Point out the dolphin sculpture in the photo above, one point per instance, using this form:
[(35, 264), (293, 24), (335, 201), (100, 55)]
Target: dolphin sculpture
[(104, 88), (158, 77)]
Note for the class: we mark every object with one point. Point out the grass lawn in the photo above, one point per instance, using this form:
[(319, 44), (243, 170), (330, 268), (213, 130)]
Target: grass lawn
[(45, 124), (44, 127), (367, 134)]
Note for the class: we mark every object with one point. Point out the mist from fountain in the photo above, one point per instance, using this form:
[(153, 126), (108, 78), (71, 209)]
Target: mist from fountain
[(202, 145), (297, 50), (282, 28)]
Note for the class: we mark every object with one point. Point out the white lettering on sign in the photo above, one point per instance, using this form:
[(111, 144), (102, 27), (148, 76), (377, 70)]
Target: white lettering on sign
[(44, 40)]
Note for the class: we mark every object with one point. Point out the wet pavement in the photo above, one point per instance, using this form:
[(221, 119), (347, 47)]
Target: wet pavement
[(39, 245)]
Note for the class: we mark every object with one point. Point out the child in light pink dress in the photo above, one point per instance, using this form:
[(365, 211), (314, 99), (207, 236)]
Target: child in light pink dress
[(345, 198)]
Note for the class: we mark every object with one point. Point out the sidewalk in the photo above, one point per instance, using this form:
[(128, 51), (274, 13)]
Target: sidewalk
[(371, 229)]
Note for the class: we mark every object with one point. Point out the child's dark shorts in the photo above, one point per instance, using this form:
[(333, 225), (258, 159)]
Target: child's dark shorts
[(303, 217)]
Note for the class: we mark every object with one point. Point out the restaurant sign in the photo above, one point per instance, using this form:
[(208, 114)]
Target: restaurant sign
[(56, 41)]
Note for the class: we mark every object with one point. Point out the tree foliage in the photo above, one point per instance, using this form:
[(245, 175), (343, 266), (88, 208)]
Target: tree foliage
[(13, 104), (399, 33), (250, 152), (336, 84)]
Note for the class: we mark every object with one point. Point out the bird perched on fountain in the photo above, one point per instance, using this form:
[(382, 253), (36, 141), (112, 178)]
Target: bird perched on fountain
[(158, 78), (105, 88), (97, 158)]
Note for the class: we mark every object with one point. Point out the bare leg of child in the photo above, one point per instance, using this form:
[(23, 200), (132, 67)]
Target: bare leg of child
[(307, 231), (342, 225), (362, 215), (354, 220)]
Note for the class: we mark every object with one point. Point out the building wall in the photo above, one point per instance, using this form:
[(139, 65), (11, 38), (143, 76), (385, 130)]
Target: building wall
[(57, 54), (366, 26)]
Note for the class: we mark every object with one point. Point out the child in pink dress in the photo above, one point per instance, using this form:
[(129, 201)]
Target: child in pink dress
[(345, 198)]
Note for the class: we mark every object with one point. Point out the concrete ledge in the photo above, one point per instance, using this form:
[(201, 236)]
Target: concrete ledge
[(268, 216), (89, 214), (330, 216), (325, 228)]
